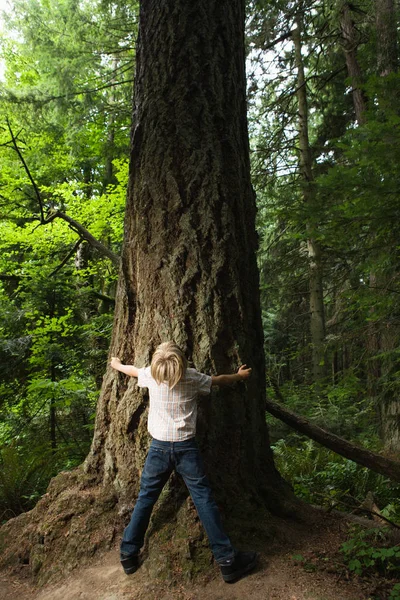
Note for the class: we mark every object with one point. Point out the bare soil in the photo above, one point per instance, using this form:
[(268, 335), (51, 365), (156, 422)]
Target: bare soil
[(319, 575)]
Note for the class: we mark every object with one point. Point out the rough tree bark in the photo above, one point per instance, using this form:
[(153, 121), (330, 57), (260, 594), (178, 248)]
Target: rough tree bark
[(188, 272), (188, 263)]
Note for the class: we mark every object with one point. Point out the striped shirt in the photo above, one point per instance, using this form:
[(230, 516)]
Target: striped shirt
[(173, 413)]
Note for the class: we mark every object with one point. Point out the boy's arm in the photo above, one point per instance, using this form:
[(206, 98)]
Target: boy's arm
[(243, 373), (127, 369)]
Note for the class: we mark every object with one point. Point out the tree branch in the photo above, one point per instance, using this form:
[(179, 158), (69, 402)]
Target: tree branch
[(18, 151), (84, 233), (68, 256), (4, 277), (277, 40), (71, 94), (74, 225), (371, 512), (103, 297)]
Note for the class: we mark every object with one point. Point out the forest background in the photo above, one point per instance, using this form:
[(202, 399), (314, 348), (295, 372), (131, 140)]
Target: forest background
[(323, 90)]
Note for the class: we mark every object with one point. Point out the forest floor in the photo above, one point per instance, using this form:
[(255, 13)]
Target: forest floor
[(319, 574)]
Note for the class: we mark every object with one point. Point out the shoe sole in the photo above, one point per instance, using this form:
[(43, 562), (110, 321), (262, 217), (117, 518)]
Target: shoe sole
[(238, 574)]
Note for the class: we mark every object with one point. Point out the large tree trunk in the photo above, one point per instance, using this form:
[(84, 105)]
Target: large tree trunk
[(188, 269), (188, 263)]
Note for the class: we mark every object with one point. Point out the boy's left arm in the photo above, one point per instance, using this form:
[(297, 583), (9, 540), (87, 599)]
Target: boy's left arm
[(243, 373), (127, 369)]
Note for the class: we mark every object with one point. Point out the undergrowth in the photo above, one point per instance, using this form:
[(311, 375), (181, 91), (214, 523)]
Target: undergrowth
[(322, 477)]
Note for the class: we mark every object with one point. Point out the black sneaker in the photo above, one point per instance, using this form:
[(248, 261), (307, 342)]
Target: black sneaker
[(130, 564), (242, 563)]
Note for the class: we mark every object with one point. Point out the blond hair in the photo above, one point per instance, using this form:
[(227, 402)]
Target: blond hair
[(168, 364)]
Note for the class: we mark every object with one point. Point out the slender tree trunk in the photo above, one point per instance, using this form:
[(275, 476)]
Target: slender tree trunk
[(389, 403), (317, 316), (386, 27), (335, 367), (346, 357), (109, 177), (90, 304), (373, 345), (53, 438), (88, 179), (350, 44), (53, 378)]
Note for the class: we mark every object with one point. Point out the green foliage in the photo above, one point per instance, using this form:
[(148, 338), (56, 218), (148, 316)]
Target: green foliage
[(342, 408), (322, 477), (307, 565), (354, 207), (392, 511), (366, 551), (23, 478), (395, 592), (65, 96), (68, 80)]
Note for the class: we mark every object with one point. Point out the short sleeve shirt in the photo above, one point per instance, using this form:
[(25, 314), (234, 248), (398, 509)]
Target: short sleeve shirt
[(173, 413)]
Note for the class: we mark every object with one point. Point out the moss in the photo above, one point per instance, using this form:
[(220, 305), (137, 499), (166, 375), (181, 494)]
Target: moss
[(37, 558), (199, 564), (108, 500), (63, 481), (177, 548), (158, 563)]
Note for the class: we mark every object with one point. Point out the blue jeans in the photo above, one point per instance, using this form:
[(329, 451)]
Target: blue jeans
[(162, 459)]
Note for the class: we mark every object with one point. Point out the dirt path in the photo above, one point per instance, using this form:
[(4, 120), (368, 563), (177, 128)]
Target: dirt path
[(277, 577)]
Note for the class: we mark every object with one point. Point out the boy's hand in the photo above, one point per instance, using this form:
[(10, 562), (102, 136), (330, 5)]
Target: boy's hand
[(130, 370), (115, 361), (244, 372)]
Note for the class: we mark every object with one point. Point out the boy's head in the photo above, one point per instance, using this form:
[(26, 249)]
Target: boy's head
[(168, 364)]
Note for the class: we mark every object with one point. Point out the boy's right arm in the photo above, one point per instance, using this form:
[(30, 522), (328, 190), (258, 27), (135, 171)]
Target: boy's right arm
[(127, 369), (243, 373)]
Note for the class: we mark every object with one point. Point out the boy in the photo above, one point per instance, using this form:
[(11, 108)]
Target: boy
[(173, 390)]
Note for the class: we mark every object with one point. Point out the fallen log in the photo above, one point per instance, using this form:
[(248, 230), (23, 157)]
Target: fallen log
[(385, 466)]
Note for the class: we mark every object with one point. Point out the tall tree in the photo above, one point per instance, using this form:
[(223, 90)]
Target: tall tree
[(188, 269), (387, 61), (351, 40), (343, 221), (317, 311), (386, 28), (188, 261)]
